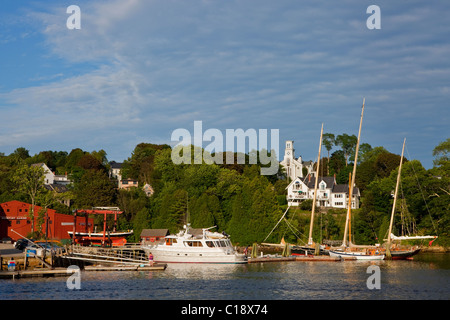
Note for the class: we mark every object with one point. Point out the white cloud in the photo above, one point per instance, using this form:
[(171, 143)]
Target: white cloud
[(159, 65)]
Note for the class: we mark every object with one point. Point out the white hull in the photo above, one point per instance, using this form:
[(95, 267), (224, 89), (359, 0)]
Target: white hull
[(166, 255), (100, 234), (210, 247), (357, 255)]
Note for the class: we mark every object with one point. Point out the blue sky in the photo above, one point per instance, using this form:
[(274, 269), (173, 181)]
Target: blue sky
[(138, 70)]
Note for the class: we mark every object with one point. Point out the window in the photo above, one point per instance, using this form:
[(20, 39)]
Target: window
[(223, 243), (197, 244), (210, 244)]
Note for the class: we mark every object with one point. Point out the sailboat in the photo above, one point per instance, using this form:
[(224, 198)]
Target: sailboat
[(352, 250), (392, 252), (310, 248)]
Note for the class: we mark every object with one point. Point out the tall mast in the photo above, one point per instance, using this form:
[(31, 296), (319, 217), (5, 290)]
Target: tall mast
[(310, 240), (388, 252), (344, 241), (349, 204)]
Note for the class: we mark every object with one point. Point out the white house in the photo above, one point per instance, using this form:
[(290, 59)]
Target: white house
[(115, 170), (52, 178), (55, 183), (329, 194), (292, 166)]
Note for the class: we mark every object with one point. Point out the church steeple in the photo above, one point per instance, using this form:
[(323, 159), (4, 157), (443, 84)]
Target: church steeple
[(289, 150)]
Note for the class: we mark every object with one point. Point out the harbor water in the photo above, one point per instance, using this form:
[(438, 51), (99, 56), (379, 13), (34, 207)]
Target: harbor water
[(427, 277)]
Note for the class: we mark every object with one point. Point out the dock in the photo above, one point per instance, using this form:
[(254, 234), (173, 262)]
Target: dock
[(322, 258), (62, 272), (129, 258), (275, 258)]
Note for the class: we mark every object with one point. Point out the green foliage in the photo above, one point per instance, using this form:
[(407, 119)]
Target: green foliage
[(29, 180), (94, 189), (442, 153), (347, 144), (237, 198)]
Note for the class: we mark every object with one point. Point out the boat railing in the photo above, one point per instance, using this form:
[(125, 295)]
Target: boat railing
[(117, 255)]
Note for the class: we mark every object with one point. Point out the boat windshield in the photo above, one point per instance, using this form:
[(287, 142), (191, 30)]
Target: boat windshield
[(224, 243), (195, 243)]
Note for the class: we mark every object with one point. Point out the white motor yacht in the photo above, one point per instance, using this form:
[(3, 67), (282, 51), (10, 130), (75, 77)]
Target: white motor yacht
[(185, 247)]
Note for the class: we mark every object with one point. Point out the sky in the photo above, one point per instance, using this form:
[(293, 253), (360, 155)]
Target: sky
[(138, 70)]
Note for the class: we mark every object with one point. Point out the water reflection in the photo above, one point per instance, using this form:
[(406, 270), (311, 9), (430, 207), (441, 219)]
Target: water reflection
[(203, 271), (424, 278)]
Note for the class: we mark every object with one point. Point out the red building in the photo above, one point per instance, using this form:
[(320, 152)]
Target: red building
[(14, 215)]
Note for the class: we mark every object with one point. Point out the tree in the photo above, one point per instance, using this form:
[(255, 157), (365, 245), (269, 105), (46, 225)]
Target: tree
[(328, 140), (171, 208), (337, 162), (21, 154), (94, 189), (347, 144), (141, 164), (30, 180), (141, 221), (385, 163), (364, 149), (442, 153)]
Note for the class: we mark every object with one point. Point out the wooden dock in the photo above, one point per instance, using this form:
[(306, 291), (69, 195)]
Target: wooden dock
[(322, 258), (61, 272), (299, 258), (33, 273)]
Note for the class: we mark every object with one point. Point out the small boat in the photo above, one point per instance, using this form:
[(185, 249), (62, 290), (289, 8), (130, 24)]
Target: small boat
[(403, 254), (359, 255), (189, 247), (115, 239)]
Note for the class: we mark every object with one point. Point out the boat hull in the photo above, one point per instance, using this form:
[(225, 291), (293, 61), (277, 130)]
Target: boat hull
[(403, 254), (166, 255), (96, 239), (357, 255)]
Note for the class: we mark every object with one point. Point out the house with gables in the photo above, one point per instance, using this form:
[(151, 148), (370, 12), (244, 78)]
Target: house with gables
[(329, 193)]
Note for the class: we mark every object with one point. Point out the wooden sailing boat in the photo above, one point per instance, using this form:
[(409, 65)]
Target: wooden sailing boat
[(350, 249), (393, 252)]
